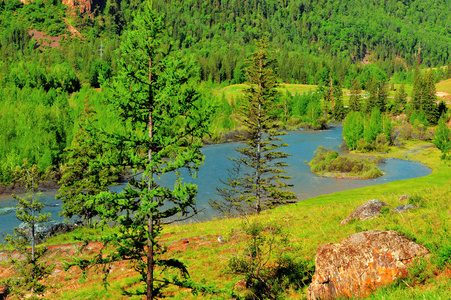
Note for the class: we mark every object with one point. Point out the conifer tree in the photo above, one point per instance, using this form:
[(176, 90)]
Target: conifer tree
[(428, 101), (160, 131), (415, 103), (400, 100), (380, 100), (339, 110), (355, 98), (371, 88), (82, 173), (263, 185), (30, 269), (261, 181)]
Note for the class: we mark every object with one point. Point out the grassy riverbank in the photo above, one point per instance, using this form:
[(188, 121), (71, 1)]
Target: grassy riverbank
[(308, 224)]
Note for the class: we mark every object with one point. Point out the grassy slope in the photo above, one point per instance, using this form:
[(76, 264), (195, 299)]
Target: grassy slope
[(310, 223)]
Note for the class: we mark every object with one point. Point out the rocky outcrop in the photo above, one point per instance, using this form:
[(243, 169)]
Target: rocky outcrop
[(403, 208), (368, 210), (84, 6), (44, 230), (361, 263)]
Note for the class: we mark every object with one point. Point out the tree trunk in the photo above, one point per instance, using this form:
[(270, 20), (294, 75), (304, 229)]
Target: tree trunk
[(150, 262)]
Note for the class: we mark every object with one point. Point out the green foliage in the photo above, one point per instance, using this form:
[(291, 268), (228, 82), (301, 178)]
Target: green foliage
[(353, 129), (159, 132), (339, 110), (28, 266), (442, 139), (355, 99), (261, 183), (83, 173), (328, 162), (266, 265), (400, 101)]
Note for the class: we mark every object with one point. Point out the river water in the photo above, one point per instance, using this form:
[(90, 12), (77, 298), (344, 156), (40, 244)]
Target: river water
[(302, 145)]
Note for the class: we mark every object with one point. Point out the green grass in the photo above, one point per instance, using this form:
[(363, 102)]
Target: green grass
[(235, 91), (309, 224), (444, 86)]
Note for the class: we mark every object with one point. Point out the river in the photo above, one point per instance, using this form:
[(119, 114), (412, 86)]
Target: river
[(306, 185)]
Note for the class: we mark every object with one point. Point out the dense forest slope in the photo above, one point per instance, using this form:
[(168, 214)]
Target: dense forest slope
[(55, 57)]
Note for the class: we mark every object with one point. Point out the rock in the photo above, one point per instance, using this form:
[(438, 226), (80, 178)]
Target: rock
[(361, 263), (44, 230), (403, 197), (403, 208), (368, 210)]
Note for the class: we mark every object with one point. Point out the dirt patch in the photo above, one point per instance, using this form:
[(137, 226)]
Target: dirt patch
[(444, 95), (44, 40)]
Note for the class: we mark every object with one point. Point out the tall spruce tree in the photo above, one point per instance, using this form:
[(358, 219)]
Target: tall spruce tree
[(415, 103), (400, 100), (160, 132), (428, 101), (355, 98), (381, 96), (339, 110), (261, 158)]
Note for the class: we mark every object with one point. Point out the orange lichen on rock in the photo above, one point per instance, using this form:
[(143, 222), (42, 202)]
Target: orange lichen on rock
[(361, 263)]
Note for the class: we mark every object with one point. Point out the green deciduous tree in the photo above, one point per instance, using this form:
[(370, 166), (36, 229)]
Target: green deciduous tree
[(442, 139), (160, 132), (353, 127)]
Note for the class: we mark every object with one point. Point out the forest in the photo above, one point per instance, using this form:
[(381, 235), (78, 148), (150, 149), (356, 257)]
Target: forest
[(329, 45)]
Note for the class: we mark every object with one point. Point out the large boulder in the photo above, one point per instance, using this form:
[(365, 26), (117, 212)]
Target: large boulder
[(368, 210), (361, 263)]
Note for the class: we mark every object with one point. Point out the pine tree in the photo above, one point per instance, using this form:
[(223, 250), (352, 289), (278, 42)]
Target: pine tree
[(339, 110), (355, 98), (400, 100), (82, 173), (380, 100), (160, 131), (428, 103), (261, 182), (372, 95), (415, 103), (29, 210)]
